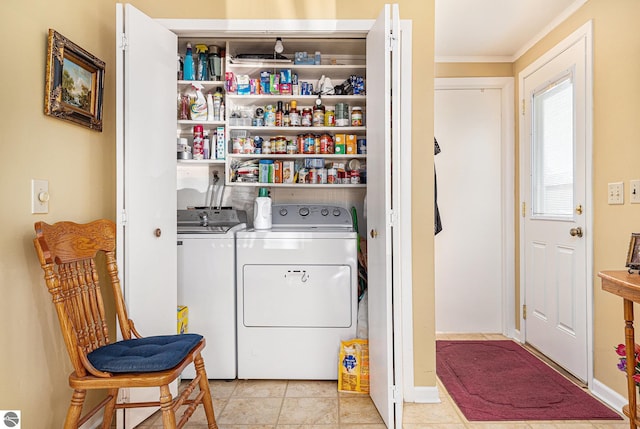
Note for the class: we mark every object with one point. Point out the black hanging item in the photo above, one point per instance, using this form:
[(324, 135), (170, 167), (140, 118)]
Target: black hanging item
[(437, 221)]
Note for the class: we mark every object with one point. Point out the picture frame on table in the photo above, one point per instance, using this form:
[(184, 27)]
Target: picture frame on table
[(633, 254), (74, 83)]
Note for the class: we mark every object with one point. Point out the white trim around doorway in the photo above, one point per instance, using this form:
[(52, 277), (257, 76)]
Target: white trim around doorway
[(507, 178)]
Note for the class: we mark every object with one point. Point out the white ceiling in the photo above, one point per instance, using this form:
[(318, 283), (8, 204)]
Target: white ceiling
[(495, 30)]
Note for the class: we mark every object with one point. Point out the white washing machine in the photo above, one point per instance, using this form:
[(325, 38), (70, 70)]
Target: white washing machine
[(296, 293), (207, 284)]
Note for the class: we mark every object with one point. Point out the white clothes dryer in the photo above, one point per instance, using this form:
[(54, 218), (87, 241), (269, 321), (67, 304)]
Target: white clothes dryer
[(297, 293)]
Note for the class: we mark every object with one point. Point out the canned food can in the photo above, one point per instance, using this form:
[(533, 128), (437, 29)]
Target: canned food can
[(362, 146), (321, 174), (292, 147), (355, 177), (280, 145), (329, 118), (332, 176), (312, 177), (306, 117), (356, 116), (309, 143), (342, 115), (324, 143)]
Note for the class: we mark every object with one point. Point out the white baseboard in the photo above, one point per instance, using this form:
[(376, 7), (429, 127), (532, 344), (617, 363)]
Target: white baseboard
[(423, 395), (610, 397)]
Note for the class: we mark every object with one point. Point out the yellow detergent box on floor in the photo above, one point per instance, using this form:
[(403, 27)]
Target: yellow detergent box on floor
[(183, 319), (353, 371)]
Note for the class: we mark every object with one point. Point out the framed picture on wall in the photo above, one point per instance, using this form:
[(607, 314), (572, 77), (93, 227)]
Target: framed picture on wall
[(74, 83), (633, 254)]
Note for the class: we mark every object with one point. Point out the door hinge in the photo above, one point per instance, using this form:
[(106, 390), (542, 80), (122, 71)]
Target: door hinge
[(392, 218), (524, 311), (391, 40), (523, 107), (524, 209), (124, 42), (395, 394), (123, 218)]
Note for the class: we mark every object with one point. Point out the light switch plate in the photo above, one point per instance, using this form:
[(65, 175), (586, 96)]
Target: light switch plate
[(634, 191), (39, 196), (616, 193)]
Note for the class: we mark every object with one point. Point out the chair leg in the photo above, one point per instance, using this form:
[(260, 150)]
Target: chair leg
[(75, 409), (109, 409), (166, 402), (204, 387)]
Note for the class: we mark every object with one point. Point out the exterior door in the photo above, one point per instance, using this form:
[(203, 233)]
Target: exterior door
[(383, 71), (554, 180), (146, 175)]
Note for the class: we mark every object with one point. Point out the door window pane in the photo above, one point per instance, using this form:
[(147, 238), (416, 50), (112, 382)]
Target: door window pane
[(552, 150)]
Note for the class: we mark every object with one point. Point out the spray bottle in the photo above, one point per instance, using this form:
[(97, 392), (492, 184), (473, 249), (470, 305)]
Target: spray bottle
[(262, 210), (188, 72), (202, 74)]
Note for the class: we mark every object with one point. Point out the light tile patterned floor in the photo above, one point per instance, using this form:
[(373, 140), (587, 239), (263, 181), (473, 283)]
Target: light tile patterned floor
[(281, 404)]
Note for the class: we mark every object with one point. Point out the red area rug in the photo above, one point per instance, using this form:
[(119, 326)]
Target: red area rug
[(501, 380)]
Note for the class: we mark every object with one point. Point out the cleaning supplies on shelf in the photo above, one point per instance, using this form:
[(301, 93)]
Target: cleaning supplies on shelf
[(202, 70), (189, 71), (262, 210), (198, 108)]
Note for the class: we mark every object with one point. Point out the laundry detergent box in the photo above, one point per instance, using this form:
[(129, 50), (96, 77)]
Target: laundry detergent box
[(183, 319)]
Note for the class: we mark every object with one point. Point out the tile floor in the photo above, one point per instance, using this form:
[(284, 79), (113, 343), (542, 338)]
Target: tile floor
[(295, 404)]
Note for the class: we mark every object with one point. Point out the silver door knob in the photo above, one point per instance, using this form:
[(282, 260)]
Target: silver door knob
[(575, 232)]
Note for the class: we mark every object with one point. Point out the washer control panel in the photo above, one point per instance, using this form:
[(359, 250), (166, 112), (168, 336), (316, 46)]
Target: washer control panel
[(310, 215)]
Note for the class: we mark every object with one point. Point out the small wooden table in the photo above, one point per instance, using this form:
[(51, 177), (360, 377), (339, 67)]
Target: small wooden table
[(627, 286)]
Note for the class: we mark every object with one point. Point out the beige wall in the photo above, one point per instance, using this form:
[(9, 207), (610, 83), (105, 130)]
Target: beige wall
[(80, 167)]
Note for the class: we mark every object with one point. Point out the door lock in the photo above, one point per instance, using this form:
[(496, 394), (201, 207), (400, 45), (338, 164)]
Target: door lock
[(575, 232)]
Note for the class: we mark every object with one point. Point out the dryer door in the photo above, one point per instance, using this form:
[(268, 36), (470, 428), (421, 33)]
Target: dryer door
[(310, 296)]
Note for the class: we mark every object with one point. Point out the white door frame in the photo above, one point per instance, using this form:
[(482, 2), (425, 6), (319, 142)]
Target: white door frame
[(586, 32), (507, 176)]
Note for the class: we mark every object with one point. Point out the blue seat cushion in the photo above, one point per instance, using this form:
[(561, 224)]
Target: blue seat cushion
[(149, 354)]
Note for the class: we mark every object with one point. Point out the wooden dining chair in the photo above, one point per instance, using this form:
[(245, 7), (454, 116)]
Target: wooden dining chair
[(67, 252)]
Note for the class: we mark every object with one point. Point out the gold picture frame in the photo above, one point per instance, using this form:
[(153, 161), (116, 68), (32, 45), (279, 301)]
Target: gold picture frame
[(74, 84), (633, 254)]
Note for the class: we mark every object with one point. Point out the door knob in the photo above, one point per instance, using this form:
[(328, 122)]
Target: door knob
[(373, 233), (158, 232), (575, 232)]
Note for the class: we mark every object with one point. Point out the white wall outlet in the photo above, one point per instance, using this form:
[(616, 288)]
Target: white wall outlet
[(616, 193), (39, 196), (634, 191)]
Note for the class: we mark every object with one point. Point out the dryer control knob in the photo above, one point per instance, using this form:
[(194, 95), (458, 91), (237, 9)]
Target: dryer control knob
[(336, 212), (324, 212), (283, 212), (304, 211)]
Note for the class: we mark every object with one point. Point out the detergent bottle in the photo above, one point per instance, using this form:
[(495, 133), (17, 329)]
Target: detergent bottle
[(188, 72), (262, 210)]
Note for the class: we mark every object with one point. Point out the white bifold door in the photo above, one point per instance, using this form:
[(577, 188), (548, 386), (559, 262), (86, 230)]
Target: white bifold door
[(146, 164)]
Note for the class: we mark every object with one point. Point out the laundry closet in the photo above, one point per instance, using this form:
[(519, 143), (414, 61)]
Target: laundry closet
[(154, 183)]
